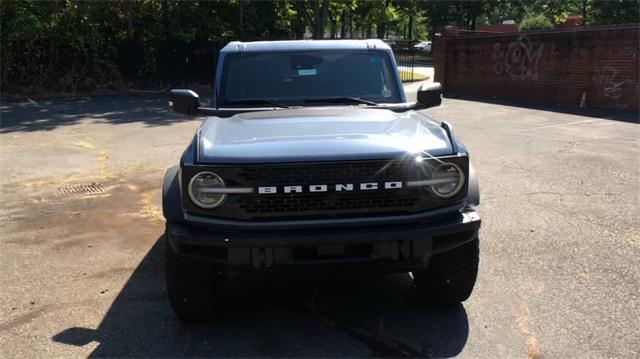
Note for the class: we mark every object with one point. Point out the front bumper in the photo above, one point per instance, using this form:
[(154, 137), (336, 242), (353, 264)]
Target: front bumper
[(388, 248)]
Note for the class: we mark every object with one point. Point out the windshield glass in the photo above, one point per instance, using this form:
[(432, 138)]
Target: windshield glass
[(293, 77)]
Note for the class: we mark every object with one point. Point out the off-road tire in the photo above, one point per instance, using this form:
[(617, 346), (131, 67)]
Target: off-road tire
[(192, 288), (450, 276)]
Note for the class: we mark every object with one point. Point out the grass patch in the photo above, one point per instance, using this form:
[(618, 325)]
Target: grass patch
[(405, 76)]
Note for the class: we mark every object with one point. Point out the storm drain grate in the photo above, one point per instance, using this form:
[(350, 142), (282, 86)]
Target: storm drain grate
[(82, 188)]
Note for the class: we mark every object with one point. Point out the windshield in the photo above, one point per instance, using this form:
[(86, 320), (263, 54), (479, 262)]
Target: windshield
[(294, 78)]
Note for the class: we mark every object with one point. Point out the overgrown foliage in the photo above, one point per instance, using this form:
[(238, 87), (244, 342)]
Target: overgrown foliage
[(535, 22), (75, 46)]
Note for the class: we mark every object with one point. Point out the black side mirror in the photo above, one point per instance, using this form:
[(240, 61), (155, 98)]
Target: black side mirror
[(430, 95), (185, 102)]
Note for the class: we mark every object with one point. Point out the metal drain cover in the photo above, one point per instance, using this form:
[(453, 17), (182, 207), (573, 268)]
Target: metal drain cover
[(82, 188)]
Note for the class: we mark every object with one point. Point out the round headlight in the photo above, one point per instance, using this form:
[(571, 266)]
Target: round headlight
[(448, 180), (206, 190)]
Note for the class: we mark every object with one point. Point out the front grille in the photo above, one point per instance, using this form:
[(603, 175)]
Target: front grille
[(331, 204)]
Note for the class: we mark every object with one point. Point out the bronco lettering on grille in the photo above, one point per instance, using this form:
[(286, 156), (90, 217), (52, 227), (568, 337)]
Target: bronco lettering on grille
[(339, 187)]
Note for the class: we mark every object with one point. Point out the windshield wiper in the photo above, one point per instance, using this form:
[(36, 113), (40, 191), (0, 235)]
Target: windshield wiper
[(340, 100), (255, 102)]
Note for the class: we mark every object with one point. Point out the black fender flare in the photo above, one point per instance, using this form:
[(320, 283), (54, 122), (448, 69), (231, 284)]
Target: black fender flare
[(473, 192), (171, 196)]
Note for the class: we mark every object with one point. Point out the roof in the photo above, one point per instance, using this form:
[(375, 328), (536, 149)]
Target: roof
[(302, 45)]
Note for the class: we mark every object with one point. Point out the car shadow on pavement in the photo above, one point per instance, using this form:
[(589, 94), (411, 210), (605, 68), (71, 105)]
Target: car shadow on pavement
[(27, 115), (276, 318)]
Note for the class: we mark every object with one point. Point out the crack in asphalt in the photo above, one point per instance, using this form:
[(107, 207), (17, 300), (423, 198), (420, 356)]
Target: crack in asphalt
[(381, 346)]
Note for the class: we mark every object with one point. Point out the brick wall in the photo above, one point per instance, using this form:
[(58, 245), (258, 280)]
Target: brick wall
[(554, 67)]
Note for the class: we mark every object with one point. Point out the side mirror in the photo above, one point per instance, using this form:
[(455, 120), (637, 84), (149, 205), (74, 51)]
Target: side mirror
[(185, 102), (429, 95)]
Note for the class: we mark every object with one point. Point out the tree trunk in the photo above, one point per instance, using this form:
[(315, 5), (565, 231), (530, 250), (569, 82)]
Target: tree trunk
[(334, 28), (166, 25), (315, 20), (381, 29), (472, 14), (343, 24), (320, 18), (301, 21), (350, 24), (241, 20), (325, 12), (410, 28), (299, 28), (130, 20)]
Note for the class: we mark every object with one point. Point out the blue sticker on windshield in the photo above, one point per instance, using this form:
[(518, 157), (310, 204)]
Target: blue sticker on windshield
[(375, 59), (307, 72)]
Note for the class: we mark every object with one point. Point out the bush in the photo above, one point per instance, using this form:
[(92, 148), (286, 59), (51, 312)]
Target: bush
[(535, 22)]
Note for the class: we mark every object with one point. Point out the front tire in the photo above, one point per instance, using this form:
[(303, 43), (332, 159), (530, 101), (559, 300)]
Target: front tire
[(192, 288), (451, 275)]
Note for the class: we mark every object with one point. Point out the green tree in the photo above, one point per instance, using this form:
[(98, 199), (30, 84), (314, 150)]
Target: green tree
[(535, 22), (614, 12), (81, 45)]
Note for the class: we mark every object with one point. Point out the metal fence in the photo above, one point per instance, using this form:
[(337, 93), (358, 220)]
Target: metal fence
[(170, 63), (178, 64), (405, 57), (174, 63)]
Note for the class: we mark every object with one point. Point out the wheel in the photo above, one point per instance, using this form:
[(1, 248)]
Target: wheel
[(192, 288), (450, 277)]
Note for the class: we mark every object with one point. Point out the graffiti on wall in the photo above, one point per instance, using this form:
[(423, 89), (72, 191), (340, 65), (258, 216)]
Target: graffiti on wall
[(519, 59), (606, 78)]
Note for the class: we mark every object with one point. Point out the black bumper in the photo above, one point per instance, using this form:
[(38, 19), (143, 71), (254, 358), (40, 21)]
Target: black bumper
[(388, 248)]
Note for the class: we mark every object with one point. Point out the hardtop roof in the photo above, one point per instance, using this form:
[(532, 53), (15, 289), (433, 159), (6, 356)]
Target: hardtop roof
[(302, 45)]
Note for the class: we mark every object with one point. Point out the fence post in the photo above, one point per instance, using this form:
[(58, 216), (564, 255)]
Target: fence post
[(412, 53), (439, 55)]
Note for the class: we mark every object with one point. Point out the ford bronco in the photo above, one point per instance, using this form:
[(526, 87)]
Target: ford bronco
[(311, 160)]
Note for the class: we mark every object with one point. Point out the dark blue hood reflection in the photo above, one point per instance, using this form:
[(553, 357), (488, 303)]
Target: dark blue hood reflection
[(319, 134)]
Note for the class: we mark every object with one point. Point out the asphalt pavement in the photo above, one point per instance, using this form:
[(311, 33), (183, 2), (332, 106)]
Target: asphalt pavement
[(82, 266)]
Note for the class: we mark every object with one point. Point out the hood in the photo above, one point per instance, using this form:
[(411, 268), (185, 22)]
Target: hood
[(319, 134)]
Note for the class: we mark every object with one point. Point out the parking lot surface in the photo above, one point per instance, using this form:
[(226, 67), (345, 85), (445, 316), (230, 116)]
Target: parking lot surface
[(82, 266)]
